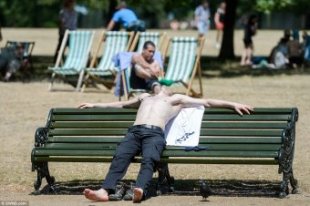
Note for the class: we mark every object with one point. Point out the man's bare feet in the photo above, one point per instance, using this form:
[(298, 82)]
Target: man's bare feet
[(100, 195), (137, 195)]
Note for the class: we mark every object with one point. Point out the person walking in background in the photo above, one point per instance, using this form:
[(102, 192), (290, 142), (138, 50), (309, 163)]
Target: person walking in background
[(250, 28), (219, 23), (126, 18), (295, 50), (67, 20), (202, 18), (306, 47)]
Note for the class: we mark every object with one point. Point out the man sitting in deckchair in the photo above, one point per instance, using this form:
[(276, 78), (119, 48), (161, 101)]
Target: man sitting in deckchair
[(146, 69), (147, 137)]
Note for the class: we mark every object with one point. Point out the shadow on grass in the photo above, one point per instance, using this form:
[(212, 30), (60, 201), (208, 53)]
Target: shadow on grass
[(212, 67), (249, 188)]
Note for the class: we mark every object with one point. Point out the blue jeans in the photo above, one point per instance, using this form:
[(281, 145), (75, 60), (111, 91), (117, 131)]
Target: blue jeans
[(150, 142)]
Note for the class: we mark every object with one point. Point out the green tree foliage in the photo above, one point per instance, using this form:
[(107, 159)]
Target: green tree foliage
[(267, 6), (44, 13), (37, 13)]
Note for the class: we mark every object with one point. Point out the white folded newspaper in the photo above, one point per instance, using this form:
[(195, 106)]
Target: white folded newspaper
[(184, 129)]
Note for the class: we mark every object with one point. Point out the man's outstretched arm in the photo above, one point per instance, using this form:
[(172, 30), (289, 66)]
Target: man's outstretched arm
[(189, 102), (238, 107), (133, 103)]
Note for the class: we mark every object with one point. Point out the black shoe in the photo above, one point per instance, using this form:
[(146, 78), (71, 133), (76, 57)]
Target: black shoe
[(119, 192), (129, 193)]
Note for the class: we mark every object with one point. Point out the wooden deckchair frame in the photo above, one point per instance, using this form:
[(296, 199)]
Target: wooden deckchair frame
[(59, 58), (196, 71), (160, 47)]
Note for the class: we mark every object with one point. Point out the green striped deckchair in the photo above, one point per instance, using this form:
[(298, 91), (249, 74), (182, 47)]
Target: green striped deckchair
[(141, 37), (184, 63), (77, 57), (128, 90), (114, 42)]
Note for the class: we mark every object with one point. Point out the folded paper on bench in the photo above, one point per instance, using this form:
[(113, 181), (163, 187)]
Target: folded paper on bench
[(184, 129)]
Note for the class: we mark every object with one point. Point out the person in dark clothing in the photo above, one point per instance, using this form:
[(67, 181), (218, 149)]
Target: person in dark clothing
[(249, 31), (67, 20), (146, 69), (295, 51), (219, 22)]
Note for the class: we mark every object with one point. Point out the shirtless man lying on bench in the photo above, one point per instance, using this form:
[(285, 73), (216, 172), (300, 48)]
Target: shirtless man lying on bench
[(147, 136)]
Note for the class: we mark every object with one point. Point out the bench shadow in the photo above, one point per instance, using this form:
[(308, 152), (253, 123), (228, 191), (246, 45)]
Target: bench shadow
[(248, 188)]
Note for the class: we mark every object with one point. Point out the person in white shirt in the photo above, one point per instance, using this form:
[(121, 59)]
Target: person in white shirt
[(202, 18)]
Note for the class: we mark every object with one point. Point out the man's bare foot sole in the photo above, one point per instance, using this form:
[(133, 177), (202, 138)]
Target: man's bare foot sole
[(137, 195), (96, 195)]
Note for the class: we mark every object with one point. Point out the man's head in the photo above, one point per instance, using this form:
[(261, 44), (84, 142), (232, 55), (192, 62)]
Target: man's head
[(205, 4), (148, 50), (69, 4), (223, 5), (121, 4)]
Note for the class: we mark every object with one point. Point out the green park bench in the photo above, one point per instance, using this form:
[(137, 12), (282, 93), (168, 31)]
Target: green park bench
[(266, 137)]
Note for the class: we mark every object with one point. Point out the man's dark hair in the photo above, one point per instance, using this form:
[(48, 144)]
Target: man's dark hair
[(147, 43)]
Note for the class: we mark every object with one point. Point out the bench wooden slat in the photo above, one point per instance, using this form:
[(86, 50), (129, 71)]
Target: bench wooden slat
[(203, 132), (204, 124), (245, 125), (106, 132), (210, 147), (207, 110), (87, 124), (210, 117), (251, 161), (90, 117), (87, 139), (167, 153), (74, 111), (252, 117), (240, 153)]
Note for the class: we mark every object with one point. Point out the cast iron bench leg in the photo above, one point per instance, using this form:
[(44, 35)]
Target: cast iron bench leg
[(165, 182), (43, 172), (286, 157)]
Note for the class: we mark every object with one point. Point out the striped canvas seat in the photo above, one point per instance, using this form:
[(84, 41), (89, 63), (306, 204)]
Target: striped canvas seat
[(77, 57), (142, 37), (114, 42), (184, 62)]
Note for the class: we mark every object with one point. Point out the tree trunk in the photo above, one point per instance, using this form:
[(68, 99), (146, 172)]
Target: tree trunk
[(112, 6), (227, 48)]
